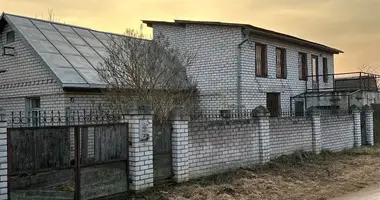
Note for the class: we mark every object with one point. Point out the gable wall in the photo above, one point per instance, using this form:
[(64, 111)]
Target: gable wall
[(214, 67), (26, 77)]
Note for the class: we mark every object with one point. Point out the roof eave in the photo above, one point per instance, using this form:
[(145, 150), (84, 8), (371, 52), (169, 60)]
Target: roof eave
[(296, 40)]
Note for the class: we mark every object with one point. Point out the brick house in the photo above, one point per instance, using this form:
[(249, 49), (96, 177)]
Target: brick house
[(242, 66), (49, 66)]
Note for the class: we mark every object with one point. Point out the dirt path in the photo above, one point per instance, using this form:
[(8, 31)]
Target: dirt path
[(371, 193), (300, 176)]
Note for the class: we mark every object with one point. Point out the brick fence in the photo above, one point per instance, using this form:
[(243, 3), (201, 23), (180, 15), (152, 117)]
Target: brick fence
[(201, 148)]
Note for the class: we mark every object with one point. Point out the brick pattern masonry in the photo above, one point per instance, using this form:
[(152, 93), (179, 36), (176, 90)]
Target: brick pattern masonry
[(3, 162), (219, 146), (337, 132)]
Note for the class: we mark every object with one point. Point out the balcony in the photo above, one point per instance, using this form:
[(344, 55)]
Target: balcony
[(343, 82)]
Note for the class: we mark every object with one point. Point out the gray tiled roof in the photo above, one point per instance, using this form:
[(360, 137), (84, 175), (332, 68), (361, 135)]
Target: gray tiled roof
[(72, 53)]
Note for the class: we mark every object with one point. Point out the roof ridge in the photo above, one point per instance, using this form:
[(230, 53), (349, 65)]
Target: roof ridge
[(63, 24)]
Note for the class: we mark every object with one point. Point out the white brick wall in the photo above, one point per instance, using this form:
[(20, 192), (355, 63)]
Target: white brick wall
[(180, 150), (218, 147), (290, 134), (3, 162), (215, 67), (254, 88), (26, 77), (337, 132)]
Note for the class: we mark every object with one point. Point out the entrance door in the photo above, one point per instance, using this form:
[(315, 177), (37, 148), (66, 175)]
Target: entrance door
[(315, 73), (299, 108), (162, 152), (273, 104)]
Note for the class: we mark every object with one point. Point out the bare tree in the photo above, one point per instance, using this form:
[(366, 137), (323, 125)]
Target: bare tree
[(147, 72), (369, 69), (370, 73)]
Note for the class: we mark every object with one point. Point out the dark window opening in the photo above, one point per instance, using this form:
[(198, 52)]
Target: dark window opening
[(302, 66), (280, 63), (261, 60), (10, 37), (273, 104), (299, 111), (325, 70)]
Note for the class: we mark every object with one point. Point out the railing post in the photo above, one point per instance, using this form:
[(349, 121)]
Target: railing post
[(264, 139), (77, 162)]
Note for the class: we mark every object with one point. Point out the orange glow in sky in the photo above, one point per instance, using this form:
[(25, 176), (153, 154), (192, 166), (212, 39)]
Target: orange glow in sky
[(350, 25)]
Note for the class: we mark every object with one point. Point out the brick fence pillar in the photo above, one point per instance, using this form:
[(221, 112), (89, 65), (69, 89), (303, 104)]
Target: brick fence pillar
[(140, 150), (3, 159), (357, 126), (368, 120), (264, 140), (316, 136), (180, 148)]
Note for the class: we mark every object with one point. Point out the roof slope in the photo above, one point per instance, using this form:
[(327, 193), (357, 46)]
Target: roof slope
[(253, 29), (73, 54)]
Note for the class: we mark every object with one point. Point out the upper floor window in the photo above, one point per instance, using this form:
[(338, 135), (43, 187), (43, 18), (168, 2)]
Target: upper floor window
[(261, 60), (34, 106), (10, 37), (280, 63), (325, 70), (302, 66)]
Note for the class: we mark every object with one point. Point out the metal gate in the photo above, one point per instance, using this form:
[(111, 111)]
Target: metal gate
[(162, 152), (60, 157), (376, 123)]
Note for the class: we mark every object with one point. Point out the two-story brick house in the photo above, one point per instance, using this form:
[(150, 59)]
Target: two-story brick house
[(50, 66), (239, 65)]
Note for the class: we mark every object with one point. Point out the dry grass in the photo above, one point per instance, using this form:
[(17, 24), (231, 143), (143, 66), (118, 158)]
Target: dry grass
[(298, 176)]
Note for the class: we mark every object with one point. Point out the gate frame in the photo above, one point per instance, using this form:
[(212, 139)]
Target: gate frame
[(63, 121)]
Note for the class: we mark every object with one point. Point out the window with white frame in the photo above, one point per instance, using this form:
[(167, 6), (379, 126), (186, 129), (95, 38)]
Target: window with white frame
[(34, 105)]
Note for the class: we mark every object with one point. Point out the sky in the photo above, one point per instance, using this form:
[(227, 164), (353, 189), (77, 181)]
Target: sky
[(349, 25)]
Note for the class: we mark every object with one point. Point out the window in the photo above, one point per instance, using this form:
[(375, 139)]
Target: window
[(261, 60), (314, 72), (10, 37), (280, 63), (302, 66), (325, 70), (34, 110)]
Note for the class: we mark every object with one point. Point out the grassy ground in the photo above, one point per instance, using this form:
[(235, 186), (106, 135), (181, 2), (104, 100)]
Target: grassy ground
[(298, 176)]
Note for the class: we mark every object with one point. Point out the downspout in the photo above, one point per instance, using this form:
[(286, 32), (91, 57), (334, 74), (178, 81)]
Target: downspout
[(238, 89)]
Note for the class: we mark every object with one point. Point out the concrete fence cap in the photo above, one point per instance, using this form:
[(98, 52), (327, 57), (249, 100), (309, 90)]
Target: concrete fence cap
[(260, 111), (354, 108)]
